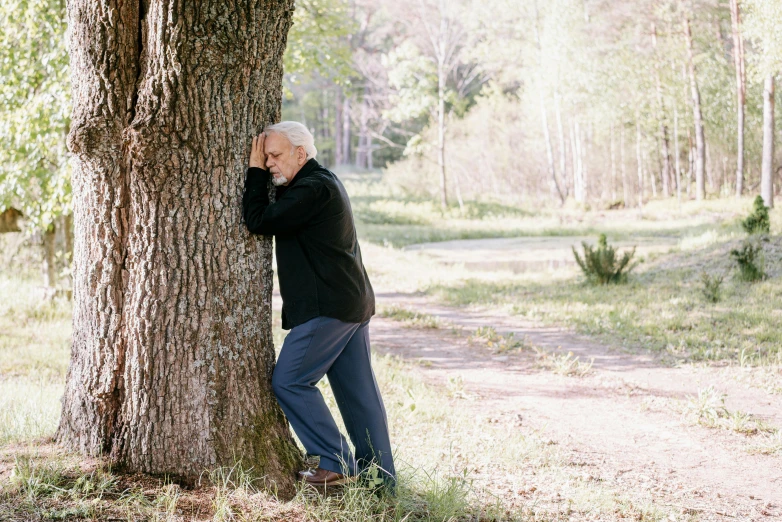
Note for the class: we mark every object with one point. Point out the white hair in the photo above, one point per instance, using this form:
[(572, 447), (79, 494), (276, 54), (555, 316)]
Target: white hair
[(297, 134)]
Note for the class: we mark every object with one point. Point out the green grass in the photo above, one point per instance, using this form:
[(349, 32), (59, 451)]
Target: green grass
[(660, 309)]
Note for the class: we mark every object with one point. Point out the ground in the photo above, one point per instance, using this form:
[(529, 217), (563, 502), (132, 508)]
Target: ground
[(514, 390)]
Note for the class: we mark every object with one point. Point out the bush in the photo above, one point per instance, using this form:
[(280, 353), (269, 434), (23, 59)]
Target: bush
[(603, 265), (711, 287), (750, 261), (758, 221)]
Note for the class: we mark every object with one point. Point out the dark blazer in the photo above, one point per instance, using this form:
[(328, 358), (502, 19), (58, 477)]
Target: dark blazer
[(319, 262)]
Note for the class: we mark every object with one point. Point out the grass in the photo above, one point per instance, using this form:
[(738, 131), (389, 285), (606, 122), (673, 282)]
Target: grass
[(410, 317), (455, 462), (660, 309)]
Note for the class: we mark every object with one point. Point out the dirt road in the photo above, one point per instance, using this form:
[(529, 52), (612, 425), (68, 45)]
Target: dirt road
[(622, 421)]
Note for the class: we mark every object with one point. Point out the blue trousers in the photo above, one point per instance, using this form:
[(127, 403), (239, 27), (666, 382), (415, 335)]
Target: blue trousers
[(327, 346)]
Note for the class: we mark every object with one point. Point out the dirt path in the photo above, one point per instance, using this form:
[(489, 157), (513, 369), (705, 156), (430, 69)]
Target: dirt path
[(618, 421)]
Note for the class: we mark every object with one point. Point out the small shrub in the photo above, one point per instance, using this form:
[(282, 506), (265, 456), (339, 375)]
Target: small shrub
[(758, 221), (711, 289), (603, 265), (750, 261)]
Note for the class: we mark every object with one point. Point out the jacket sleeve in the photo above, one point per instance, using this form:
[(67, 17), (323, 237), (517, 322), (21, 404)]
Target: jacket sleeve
[(288, 214)]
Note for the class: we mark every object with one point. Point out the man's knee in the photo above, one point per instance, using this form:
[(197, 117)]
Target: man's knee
[(280, 385)]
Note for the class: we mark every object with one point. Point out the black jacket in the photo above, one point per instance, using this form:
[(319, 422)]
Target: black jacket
[(318, 258)]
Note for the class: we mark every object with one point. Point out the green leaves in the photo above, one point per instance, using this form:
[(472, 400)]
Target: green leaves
[(34, 110)]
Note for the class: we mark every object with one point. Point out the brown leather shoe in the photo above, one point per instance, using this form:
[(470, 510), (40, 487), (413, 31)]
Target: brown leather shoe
[(323, 477)]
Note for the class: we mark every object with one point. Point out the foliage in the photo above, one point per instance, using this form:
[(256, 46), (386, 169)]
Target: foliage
[(602, 265), (318, 40), (750, 261), (34, 110), (711, 287), (758, 221), (763, 27)]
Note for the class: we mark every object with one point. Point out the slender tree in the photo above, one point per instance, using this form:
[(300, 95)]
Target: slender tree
[(172, 351), (767, 169), (700, 138), (741, 82)]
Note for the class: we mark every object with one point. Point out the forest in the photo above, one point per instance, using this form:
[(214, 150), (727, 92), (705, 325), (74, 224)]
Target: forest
[(566, 210)]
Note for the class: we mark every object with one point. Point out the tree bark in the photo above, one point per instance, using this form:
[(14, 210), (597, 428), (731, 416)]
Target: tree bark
[(339, 158), (639, 161), (48, 266), (676, 154), (613, 163), (346, 129), (665, 173), (625, 191), (172, 350), (552, 171), (741, 81), (562, 146), (700, 138), (767, 169)]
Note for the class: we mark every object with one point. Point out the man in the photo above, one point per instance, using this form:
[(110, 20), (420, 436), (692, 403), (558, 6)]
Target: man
[(327, 302)]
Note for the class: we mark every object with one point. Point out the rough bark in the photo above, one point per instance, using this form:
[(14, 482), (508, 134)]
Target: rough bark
[(738, 62), (172, 351), (767, 169), (700, 138)]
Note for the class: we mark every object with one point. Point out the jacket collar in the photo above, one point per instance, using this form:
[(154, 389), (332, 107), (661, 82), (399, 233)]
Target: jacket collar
[(306, 170)]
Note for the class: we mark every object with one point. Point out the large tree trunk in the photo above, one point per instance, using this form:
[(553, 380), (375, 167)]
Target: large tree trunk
[(767, 169), (738, 61), (172, 351), (700, 138)]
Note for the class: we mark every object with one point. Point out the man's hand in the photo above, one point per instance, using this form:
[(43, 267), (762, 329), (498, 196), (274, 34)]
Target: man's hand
[(257, 157)]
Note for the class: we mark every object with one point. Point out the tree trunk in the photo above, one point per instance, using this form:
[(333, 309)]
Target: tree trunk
[(677, 163), (562, 146), (767, 172), (613, 163), (346, 130), (665, 172), (441, 131), (700, 138), (578, 158), (172, 350), (339, 159), (556, 192), (625, 188), (639, 162), (738, 61), (48, 266)]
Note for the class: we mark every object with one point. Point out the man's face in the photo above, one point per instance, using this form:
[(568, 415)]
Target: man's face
[(282, 160)]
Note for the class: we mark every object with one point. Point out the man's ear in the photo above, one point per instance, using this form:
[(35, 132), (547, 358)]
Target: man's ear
[(301, 156)]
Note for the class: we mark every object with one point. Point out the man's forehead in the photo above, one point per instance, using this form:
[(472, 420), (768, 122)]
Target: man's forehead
[(276, 142)]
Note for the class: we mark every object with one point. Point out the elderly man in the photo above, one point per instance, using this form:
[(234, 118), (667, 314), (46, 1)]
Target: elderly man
[(327, 301)]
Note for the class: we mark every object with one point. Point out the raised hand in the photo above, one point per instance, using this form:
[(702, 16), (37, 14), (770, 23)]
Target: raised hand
[(257, 157)]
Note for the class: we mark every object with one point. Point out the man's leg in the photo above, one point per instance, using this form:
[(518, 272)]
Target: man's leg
[(358, 397), (308, 352)]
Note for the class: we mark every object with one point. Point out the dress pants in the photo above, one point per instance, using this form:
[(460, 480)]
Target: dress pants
[(327, 346)]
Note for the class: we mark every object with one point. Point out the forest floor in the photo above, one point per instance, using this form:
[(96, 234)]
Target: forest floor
[(514, 391)]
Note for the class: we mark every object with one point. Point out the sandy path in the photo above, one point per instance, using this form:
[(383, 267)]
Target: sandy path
[(617, 421)]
